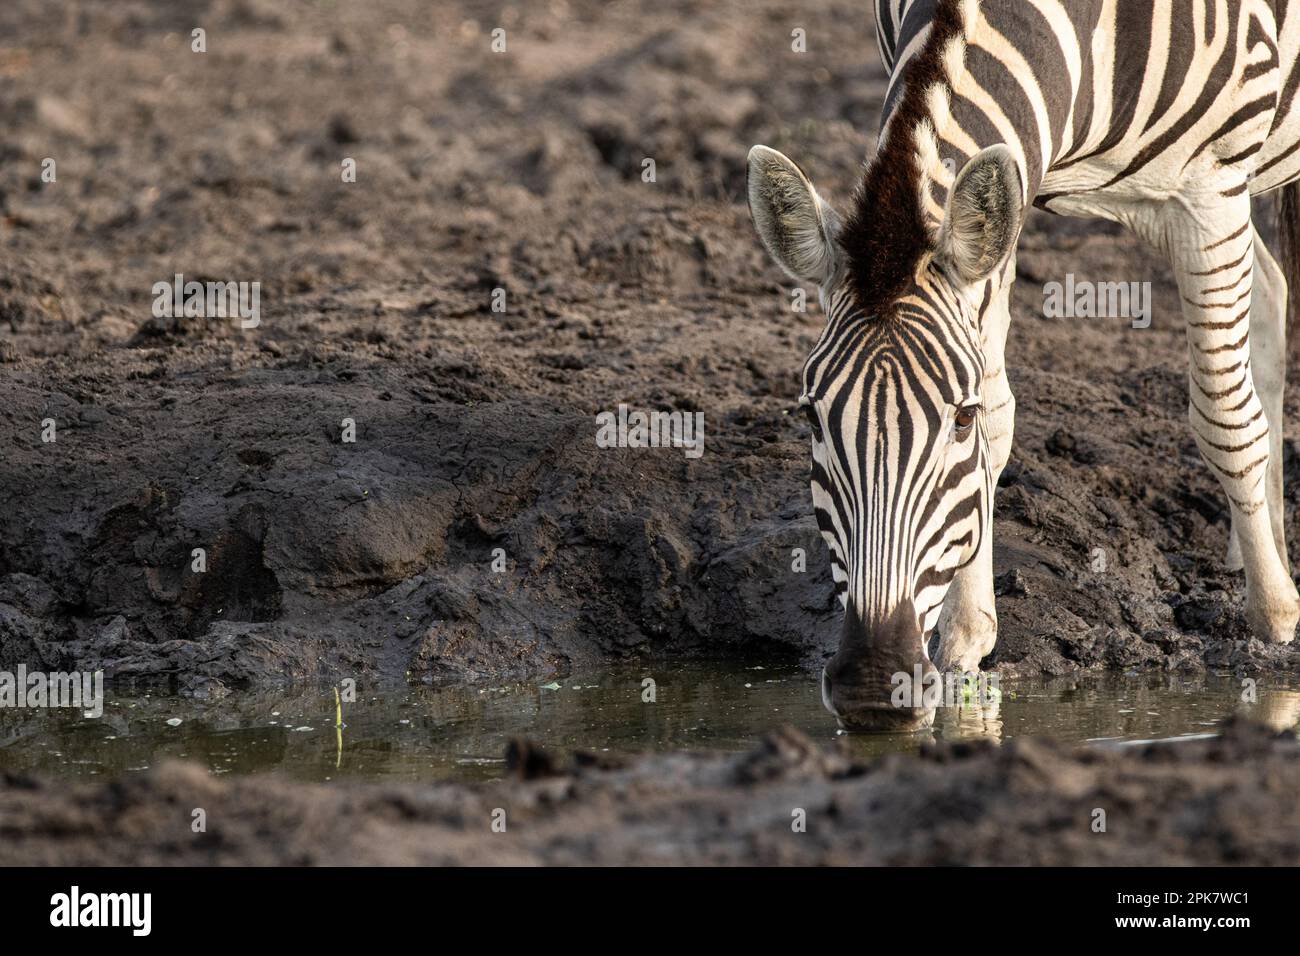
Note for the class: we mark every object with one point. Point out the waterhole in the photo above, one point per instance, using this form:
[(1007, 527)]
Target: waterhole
[(419, 733)]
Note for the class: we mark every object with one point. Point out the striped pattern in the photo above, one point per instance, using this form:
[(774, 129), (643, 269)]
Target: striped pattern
[(1164, 115), (889, 539), (1109, 96)]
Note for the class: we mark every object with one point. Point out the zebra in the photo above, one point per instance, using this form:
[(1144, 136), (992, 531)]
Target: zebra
[(1166, 117)]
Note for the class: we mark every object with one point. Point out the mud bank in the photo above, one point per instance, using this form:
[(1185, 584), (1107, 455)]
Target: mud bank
[(475, 429), (1223, 801)]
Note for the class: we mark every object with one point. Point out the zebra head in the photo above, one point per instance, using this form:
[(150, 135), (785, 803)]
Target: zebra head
[(901, 478)]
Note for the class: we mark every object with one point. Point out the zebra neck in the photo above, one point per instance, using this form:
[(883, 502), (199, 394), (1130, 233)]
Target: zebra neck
[(891, 227), (958, 86)]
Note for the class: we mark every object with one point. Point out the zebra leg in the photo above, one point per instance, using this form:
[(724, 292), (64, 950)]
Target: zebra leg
[(1268, 365), (1233, 560), (1213, 254), (968, 625)]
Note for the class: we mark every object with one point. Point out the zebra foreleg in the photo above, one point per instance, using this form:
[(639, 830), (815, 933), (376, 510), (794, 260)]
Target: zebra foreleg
[(1268, 363), (1214, 255), (968, 625)]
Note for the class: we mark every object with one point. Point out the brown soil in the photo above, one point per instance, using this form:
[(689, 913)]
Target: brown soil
[(475, 429), (1226, 801)]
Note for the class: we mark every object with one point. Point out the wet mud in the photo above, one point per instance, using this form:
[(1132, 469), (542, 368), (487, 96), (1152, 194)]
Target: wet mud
[(523, 171), (1226, 801)]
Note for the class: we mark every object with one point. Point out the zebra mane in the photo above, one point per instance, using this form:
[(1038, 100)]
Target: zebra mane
[(886, 233)]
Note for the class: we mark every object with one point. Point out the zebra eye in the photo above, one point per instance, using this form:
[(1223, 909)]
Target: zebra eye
[(965, 418)]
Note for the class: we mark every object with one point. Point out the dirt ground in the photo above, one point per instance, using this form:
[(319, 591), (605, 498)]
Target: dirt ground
[(1224, 801), (522, 171), (475, 429)]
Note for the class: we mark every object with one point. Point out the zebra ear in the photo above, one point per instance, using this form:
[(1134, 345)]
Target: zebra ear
[(982, 221), (796, 225)]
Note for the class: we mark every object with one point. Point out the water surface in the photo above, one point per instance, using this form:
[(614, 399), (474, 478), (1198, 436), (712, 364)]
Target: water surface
[(421, 733)]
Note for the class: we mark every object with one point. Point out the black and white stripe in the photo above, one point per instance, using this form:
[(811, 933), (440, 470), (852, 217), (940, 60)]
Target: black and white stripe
[(1164, 115), (880, 397)]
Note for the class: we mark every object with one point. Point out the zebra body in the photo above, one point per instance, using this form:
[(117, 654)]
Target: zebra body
[(1122, 100), (1163, 116)]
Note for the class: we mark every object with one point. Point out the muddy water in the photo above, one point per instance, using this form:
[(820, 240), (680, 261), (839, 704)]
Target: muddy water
[(459, 733)]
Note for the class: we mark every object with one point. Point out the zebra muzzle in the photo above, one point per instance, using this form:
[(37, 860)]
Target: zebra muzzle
[(858, 683)]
